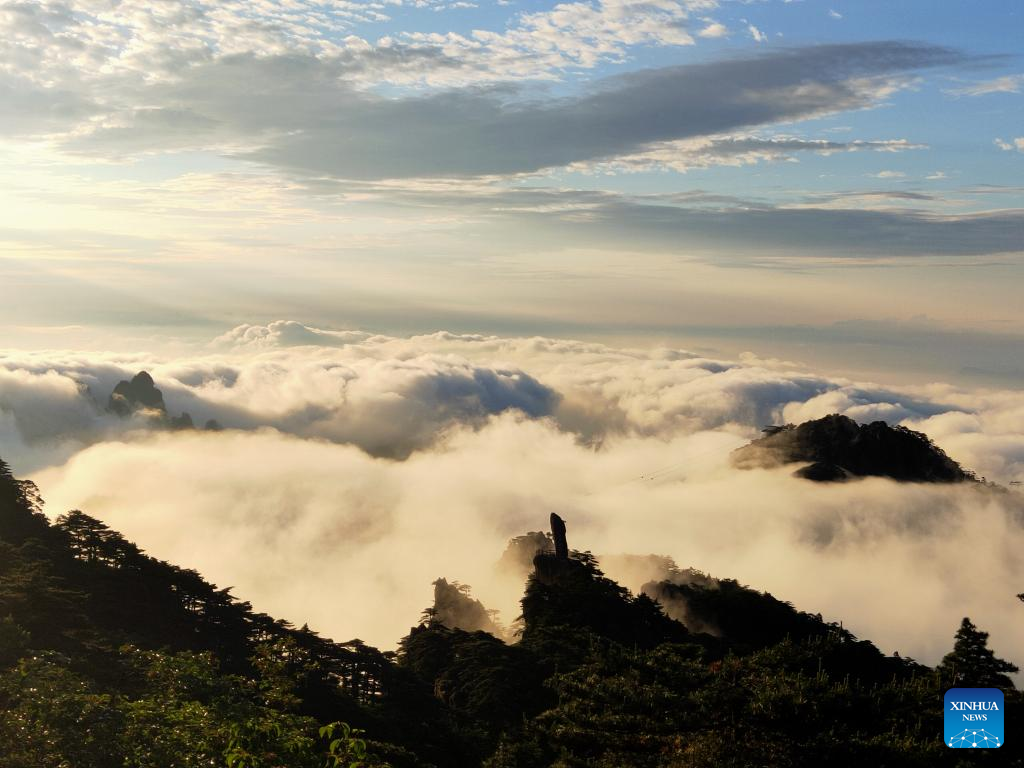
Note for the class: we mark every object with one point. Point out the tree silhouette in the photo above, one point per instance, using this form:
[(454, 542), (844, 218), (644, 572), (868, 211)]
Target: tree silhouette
[(972, 664)]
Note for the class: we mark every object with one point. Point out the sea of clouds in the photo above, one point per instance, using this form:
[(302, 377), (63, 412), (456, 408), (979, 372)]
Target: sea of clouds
[(354, 469)]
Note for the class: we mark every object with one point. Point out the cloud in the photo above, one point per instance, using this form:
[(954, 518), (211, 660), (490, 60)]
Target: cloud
[(631, 446), (572, 35), (734, 151), (765, 234), (713, 30), (299, 113), (1004, 84), (286, 333), (279, 518), (394, 396), (388, 406), (111, 49), (756, 34), (1012, 144)]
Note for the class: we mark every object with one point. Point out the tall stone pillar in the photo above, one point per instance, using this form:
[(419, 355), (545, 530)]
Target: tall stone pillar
[(558, 533)]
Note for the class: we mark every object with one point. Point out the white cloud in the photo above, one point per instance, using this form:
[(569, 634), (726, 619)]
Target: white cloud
[(834, 14), (756, 34), (888, 175), (714, 29), (1012, 144), (570, 35), (279, 517), (114, 50), (502, 432), (393, 395)]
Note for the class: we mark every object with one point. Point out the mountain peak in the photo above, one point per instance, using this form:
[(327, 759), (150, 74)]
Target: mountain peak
[(835, 448), (140, 393)]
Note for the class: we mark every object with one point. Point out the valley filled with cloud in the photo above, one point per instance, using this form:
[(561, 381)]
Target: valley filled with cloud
[(369, 465)]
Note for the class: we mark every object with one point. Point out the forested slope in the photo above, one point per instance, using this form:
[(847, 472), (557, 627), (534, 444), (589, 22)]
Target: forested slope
[(109, 657)]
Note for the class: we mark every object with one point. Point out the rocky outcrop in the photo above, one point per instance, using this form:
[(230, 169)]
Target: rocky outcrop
[(139, 394), (455, 608), (558, 535), (836, 448), (141, 397)]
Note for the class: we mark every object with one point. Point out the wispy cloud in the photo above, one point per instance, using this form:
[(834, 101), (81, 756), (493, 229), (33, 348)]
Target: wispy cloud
[(735, 151), (1004, 84)]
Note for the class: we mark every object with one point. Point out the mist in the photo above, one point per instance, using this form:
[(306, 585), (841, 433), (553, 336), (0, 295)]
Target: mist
[(355, 470), (351, 544)]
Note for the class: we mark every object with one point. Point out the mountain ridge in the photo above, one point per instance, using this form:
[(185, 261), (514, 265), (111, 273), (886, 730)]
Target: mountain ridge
[(836, 448)]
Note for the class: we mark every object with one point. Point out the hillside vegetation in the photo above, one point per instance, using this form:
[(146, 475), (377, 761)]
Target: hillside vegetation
[(111, 658)]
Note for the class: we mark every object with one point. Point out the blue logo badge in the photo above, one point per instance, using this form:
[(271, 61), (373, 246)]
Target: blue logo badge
[(974, 718)]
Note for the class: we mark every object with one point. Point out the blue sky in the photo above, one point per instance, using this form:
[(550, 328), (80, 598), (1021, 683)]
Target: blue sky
[(743, 175)]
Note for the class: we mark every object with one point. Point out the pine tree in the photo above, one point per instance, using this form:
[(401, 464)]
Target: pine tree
[(972, 664)]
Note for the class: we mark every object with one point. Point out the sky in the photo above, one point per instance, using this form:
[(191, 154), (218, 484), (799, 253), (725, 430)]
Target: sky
[(837, 183), (440, 268)]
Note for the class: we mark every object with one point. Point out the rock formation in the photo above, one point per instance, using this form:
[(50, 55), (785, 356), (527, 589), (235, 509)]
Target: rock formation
[(455, 608), (836, 448), (558, 534), (139, 394)]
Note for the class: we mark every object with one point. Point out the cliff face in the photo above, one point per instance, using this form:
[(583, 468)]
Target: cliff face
[(836, 448)]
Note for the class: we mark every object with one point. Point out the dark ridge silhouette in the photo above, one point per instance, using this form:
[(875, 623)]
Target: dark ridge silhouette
[(573, 592), (747, 621), (837, 448), (141, 396), (109, 657), (138, 394)]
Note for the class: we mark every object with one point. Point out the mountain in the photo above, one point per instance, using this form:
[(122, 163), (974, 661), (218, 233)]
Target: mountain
[(837, 448), (109, 657), (140, 396)]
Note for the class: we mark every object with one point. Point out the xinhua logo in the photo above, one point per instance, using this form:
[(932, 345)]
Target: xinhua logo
[(974, 718)]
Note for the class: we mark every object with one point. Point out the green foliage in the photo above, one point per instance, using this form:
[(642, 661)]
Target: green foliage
[(111, 659), (13, 642)]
